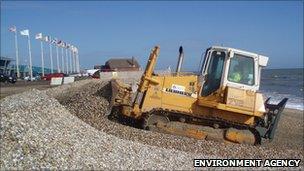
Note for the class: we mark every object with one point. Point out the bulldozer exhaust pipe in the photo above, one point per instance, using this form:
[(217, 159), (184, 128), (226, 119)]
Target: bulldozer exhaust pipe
[(180, 59)]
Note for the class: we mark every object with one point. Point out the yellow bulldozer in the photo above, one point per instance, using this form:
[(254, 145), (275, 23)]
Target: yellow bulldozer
[(221, 102)]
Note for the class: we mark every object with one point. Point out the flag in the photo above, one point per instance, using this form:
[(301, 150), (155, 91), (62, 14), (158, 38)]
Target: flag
[(73, 48), (54, 41), (47, 38), (63, 44), (38, 36), (25, 32), (12, 29), (76, 50), (59, 42)]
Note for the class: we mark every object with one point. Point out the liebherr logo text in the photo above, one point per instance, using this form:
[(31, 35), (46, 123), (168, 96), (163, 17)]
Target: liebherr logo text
[(178, 92), (246, 163)]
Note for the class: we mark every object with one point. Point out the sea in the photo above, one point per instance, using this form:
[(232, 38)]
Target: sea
[(281, 83)]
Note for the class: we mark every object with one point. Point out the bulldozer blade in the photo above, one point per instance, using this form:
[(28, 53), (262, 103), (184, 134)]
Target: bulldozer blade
[(119, 91), (114, 88), (275, 111)]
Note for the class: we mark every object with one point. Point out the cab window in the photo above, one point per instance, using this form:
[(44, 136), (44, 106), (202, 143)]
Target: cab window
[(214, 73), (241, 70)]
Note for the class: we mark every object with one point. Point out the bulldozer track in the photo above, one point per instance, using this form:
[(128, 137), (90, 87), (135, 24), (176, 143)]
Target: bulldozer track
[(213, 120), (116, 116)]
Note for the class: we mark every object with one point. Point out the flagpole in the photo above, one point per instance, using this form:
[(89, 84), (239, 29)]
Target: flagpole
[(67, 60), (73, 56), (42, 58), (30, 55), (17, 55), (76, 56), (58, 69), (51, 56), (78, 61), (62, 61), (70, 61), (76, 68)]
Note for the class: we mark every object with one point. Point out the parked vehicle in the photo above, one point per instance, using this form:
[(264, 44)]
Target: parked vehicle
[(48, 77), (37, 77), (8, 78), (90, 72), (27, 78), (96, 74)]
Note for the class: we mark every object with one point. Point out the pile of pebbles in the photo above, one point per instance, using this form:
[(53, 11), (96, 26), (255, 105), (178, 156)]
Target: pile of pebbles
[(92, 108), (38, 132), (67, 127)]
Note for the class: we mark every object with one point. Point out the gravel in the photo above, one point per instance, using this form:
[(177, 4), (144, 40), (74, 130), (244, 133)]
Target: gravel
[(66, 128), (38, 132)]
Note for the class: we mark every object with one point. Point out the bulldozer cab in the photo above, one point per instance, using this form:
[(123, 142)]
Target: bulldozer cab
[(224, 67)]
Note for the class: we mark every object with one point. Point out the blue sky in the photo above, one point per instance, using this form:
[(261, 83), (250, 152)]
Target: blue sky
[(102, 30)]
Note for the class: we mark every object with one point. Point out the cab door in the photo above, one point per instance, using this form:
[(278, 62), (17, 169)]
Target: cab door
[(213, 72)]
